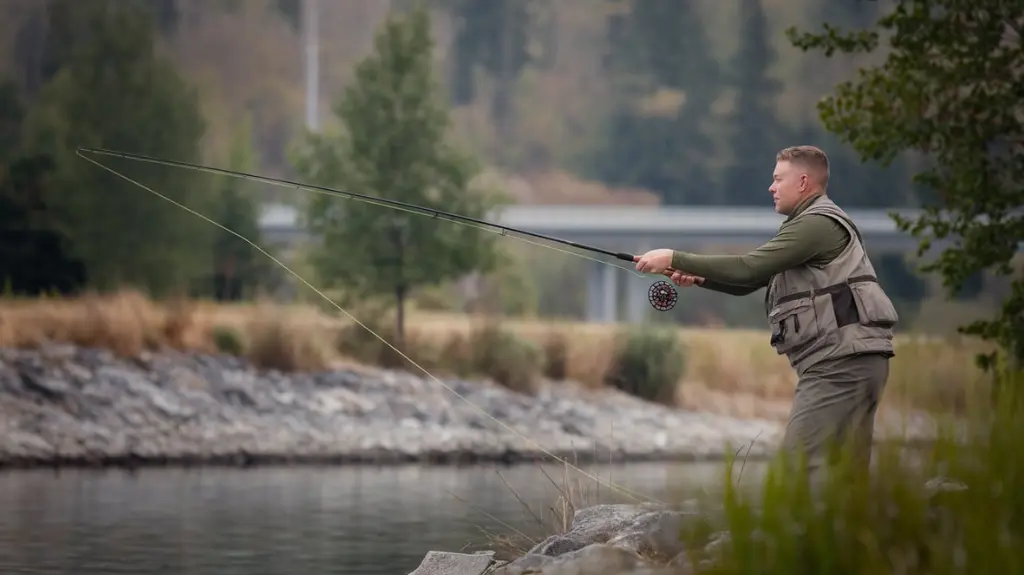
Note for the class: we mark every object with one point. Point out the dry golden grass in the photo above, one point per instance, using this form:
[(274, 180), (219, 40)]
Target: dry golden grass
[(129, 323), (740, 365), (727, 371)]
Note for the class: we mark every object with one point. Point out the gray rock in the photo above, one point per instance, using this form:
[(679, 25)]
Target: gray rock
[(612, 539), (594, 559), (92, 406), (649, 530), (442, 563)]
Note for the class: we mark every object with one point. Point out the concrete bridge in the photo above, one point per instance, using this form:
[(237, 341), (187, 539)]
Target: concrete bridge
[(635, 229)]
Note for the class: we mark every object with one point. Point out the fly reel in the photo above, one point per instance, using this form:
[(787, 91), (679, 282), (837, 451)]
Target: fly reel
[(662, 295)]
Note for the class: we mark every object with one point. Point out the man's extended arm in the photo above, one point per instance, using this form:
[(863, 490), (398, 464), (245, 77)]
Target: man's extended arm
[(815, 239), (728, 288)]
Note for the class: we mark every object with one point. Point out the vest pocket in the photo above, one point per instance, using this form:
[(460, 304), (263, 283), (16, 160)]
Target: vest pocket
[(874, 307), (793, 324)]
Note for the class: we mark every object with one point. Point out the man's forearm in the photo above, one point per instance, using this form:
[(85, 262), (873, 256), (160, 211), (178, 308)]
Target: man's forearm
[(728, 288), (791, 247)]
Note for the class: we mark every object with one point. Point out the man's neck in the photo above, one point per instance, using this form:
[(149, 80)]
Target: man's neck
[(804, 204)]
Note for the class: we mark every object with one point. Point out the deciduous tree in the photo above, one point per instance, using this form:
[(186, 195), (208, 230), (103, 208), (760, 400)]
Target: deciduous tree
[(394, 144), (950, 87)]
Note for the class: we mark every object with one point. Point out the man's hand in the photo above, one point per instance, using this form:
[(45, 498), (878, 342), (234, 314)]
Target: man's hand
[(654, 261), (683, 280)]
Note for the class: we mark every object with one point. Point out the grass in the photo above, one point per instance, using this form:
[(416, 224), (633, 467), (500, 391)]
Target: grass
[(573, 494), (721, 370), (927, 373), (954, 507), (958, 509)]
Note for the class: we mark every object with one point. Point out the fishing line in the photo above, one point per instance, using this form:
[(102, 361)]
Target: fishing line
[(523, 235), (635, 496)]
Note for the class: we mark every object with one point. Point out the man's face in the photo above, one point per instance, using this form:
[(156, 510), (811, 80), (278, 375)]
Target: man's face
[(789, 186)]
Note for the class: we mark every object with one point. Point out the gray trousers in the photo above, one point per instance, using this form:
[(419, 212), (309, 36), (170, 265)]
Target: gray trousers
[(835, 402)]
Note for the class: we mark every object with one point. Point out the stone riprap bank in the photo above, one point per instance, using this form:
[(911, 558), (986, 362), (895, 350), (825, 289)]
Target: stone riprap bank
[(63, 404)]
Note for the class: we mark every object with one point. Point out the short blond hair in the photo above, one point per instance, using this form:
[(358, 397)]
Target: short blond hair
[(813, 158)]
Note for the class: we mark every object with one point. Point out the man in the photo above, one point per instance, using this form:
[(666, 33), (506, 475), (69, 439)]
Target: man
[(827, 312)]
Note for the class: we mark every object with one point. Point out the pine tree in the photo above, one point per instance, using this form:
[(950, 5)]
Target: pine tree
[(112, 90), (756, 132), (665, 81)]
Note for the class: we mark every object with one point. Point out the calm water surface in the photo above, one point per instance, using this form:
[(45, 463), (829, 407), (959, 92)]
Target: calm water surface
[(311, 521)]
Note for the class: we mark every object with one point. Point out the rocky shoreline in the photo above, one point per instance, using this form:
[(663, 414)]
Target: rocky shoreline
[(602, 540), (64, 405)]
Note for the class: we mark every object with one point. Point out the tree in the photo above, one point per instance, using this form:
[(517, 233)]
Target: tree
[(665, 80), (949, 88), (12, 114), (757, 134), (393, 145), (112, 90), (496, 36), (34, 257), (236, 266), (291, 11)]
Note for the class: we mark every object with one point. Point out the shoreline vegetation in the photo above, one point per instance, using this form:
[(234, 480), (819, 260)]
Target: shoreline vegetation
[(954, 507), (730, 372), (955, 500), (121, 380)]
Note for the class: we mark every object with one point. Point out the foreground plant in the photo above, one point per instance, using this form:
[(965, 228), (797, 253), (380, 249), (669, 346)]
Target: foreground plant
[(956, 510)]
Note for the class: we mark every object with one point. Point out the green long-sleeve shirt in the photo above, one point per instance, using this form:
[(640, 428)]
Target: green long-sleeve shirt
[(815, 240)]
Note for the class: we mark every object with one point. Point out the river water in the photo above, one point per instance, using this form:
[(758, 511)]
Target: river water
[(283, 521)]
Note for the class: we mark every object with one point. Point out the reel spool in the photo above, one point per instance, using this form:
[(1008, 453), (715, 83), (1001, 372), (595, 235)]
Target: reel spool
[(662, 295)]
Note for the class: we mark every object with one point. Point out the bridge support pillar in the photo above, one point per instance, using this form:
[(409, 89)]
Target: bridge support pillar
[(602, 293), (636, 298)]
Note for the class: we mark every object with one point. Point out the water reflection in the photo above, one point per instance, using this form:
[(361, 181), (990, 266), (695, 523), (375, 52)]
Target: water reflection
[(358, 520)]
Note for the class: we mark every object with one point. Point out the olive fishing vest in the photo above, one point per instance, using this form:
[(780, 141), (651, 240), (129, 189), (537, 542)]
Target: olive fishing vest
[(818, 313)]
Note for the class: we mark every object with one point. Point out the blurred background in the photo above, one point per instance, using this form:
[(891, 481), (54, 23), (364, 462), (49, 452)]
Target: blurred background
[(572, 102), (628, 124)]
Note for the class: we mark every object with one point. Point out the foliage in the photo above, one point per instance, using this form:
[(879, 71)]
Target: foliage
[(237, 265), (27, 236), (12, 114), (656, 135), (394, 145), (757, 92), (497, 36), (508, 288), (509, 359), (957, 510), (227, 340), (949, 89), (648, 363), (493, 35), (111, 89)]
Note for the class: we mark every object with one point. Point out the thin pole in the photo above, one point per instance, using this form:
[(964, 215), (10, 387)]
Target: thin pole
[(311, 57)]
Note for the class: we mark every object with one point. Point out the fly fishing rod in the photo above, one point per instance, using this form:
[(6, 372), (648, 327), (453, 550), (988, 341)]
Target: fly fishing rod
[(661, 294)]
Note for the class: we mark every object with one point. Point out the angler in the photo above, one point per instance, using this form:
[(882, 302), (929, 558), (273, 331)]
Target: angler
[(826, 309)]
